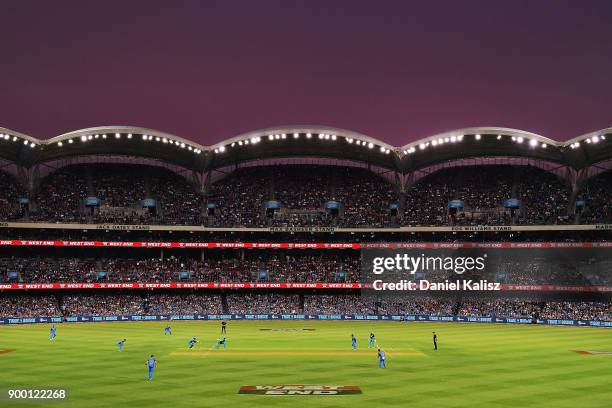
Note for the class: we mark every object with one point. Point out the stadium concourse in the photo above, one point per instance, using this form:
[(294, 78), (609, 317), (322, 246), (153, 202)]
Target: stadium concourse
[(124, 205)]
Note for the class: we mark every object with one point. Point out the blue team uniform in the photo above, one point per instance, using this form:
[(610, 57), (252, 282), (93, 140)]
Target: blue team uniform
[(120, 344), (151, 364), (221, 342), (192, 342), (52, 333), (168, 331), (353, 342), (382, 359)]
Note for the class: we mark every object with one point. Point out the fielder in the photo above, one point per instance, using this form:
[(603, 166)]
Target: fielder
[(151, 363), (382, 359)]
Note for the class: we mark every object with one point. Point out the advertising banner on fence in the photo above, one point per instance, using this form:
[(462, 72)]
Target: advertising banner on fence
[(271, 285), (352, 317)]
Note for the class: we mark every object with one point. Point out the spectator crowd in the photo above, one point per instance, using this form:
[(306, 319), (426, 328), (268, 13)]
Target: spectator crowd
[(277, 303), (365, 198)]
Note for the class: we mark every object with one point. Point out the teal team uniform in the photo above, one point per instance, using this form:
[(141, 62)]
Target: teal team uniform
[(221, 342)]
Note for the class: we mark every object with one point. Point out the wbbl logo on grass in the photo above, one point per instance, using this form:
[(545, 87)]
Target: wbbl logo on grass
[(299, 389)]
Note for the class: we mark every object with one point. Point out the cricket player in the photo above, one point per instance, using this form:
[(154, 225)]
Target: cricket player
[(52, 333), (353, 342), (223, 327), (221, 342), (168, 331), (192, 342), (435, 340), (382, 359), (372, 341), (120, 344), (151, 363)]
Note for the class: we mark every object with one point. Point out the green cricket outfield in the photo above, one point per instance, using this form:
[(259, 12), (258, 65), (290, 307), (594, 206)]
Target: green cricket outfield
[(477, 365)]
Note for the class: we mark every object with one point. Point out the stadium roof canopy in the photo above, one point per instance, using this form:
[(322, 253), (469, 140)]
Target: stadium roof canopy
[(306, 141)]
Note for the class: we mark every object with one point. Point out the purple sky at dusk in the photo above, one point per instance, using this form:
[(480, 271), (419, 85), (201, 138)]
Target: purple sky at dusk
[(394, 70)]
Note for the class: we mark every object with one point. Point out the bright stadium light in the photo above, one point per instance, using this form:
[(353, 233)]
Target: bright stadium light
[(233, 144), (182, 145), (434, 142), (96, 136), (321, 135), (190, 148), (595, 139), (222, 149), (129, 136), (83, 138), (460, 137), (588, 141), (382, 149), (240, 143), (104, 136), (6, 137), (32, 145), (422, 146), (308, 135), (246, 141), (60, 144), (358, 142), (349, 140), (70, 141), (334, 137), (296, 135), (499, 137), (544, 145), (157, 139), (603, 137), (327, 137), (477, 137), (164, 140), (446, 140), (370, 145), (277, 137), (519, 139), (14, 138), (144, 137), (270, 137), (533, 143), (283, 136), (117, 135)]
